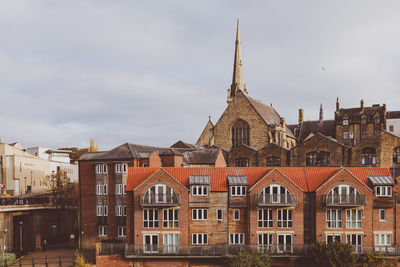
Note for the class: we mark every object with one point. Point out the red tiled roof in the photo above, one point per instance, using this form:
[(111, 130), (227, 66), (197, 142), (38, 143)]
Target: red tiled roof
[(306, 178)]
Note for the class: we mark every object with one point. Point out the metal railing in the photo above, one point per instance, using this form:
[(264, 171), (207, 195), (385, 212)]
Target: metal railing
[(35, 200), (159, 199), (111, 248), (345, 200), (276, 200)]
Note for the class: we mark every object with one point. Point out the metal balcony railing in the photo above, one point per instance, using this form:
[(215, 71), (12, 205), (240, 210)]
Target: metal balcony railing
[(159, 200), (276, 200), (345, 200)]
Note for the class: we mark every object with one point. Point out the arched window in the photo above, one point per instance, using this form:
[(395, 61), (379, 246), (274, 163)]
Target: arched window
[(344, 194), (240, 133), (396, 155), (368, 156), (242, 162), (318, 158), (160, 193), (275, 194), (274, 161)]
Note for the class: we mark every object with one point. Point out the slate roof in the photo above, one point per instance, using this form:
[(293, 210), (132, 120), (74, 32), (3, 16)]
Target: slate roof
[(355, 113), (203, 156), (381, 180), (267, 113), (325, 127), (393, 115)]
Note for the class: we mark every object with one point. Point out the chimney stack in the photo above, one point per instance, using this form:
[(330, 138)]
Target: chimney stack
[(283, 122), (337, 103), (301, 116), (362, 103), (321, 113)]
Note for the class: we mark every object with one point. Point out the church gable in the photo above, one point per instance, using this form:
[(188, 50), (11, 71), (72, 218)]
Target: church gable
[(206, 138)]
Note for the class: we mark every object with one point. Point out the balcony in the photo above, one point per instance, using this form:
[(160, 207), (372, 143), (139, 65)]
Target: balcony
[(351, 200), (164, 200), (273, 200)]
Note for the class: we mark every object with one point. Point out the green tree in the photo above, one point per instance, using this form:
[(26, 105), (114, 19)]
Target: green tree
[(252, 258), (332, 254)]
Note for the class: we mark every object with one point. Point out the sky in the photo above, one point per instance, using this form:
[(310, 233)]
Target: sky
[(151, 72)]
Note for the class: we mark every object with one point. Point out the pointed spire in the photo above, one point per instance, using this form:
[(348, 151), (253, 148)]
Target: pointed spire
[(237, 79)]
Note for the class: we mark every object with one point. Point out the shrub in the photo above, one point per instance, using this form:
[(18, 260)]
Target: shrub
[(8, 257), (332, 254), (252, 258)]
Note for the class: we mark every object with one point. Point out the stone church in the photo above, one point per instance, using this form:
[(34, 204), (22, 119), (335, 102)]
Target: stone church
[(252, 133)]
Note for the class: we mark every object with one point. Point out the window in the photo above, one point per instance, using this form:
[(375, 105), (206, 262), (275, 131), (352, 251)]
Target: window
[(150, 218), (102, 210), (265, 219), (118, 189), (356, 241), (150, 242), (363, 134), (118, 210), (102, 230), (396, 155), (345, 135), (121, 168), (122, 231), (171, 243), (240, 133), (353, 219), (376, 130), (124, 210), (363, 121), (220, 214), (236, 239), (368, 156), (285, 219), (101, 168), (199, 190), (265, 242), (333, 237), (334, 219), (383, 191), (199, 214), (382, 215), (242, 162), (345, 194), (351, 135), (391, 128), (345, 122), (274, 161), (160, 193), (274, 194), (238, 191), (377, 120), (199, 239), (124, 189), (104, 168), (236, 214), (99, 189), (318, 158), (384, 239), (284, 243), (170, 219)]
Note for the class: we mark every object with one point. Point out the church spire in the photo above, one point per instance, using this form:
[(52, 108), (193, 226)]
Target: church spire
[(237, 79)]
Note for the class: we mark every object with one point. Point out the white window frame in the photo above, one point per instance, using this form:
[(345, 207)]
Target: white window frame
[(105, 210), (199, 214), (345, 135), (333, 235), (124, 189), (105, 189), (354, 224), (284, 218), (124, 211), (265, 246), (99, 210), (383, 239), (383, 191), (236, 214), (153, 247), (199, 190), (334, 218), (267, 222), (236, 239), (118, 210), (121, 231), (170, 247), (200, 237), (118, 189), (175, 218), (124, 167), (382, 212), (351, 135), (346, 122), (238, 190), (99, 189), (357, 243), (103, 230), (222, 214), (105, 168), (155, 222), (99, 168)]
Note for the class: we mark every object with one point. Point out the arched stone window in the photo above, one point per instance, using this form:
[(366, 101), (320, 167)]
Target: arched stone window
[(318, 158), (368, 156), (242, 162), (240, 133), (274, 194), (273, 161), (160, 193), (396, 155)]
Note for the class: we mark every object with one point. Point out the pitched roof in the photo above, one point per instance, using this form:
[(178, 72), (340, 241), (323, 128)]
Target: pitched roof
[(355, 113), (267, 113), (203, 156), (325, 127), (393, 114)]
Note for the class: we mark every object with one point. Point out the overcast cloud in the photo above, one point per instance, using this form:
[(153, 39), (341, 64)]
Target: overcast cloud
[(151, 72)]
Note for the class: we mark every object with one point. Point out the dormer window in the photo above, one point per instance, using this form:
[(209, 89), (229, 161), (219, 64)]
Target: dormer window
[(238, 185), (238, 191), (383, 191), (382, 185), (345, 122), (199, 185)]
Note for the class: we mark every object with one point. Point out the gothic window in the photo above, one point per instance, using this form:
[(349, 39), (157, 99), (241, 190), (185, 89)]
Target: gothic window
[(318, 158), (242, 162), (274, 161), (396, 155), (240, 133), (368, 156)]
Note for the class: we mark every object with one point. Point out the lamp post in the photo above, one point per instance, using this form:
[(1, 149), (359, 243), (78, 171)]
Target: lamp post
[(20, 235), (54, 227), (4, 241)]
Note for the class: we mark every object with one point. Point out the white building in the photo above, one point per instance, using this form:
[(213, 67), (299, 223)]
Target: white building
[(393, 122)]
